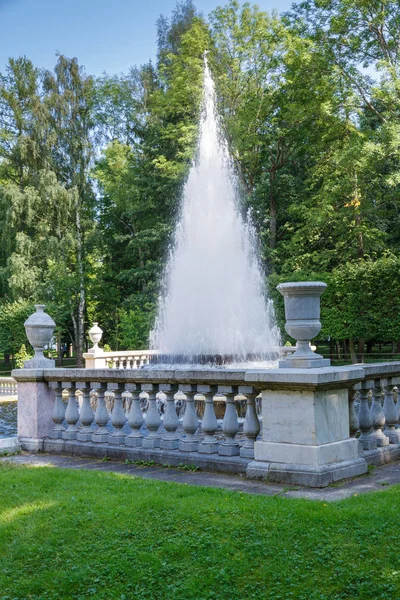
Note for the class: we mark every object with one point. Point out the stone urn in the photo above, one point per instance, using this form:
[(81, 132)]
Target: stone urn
[(95, 334), (302, 312), (39, 329)]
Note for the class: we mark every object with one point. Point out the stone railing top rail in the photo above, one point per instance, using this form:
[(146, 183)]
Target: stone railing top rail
[(282, 379), (117, 353)]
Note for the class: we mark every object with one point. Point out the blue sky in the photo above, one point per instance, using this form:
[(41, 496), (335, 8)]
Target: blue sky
[(105, 35)]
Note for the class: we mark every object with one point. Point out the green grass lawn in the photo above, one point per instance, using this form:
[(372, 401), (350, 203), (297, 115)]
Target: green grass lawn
[(77, 535)]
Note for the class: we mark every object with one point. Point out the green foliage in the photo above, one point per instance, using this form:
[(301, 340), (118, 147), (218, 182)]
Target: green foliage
[(134, 326), (21, 356), (314, 135), (12, 318)]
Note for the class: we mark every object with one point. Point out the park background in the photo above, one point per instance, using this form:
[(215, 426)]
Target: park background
[(92, 165)]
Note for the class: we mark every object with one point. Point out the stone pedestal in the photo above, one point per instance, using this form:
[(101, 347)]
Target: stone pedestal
[(35, 407), (306, 431)]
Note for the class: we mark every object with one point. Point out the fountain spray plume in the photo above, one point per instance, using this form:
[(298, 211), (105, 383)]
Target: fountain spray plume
[(215, 302)]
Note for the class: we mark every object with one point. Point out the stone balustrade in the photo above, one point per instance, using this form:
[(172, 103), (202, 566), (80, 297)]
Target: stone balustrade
[(309, 430), (8, 386), (376, 422), (124, 359)]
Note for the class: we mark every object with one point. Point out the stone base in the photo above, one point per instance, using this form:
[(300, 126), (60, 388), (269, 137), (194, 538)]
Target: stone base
[(188, 445), (247, 452), (366, 445), (56, 434), (69, 435), (382, 456), (133, 441), (304, 454), (229, 449), (307, 475), (9, 445), (32, 444), (208, 448), (117, 440), (169, 444), (393, 435), (304, 363), (100, 438), (381, 439), (151, 442), (84, 436)]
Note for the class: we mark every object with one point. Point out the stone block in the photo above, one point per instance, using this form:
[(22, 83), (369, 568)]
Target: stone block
[(306, 454), (9, 445), (151, 442), (69, 435), (100, 438), (188, 445), (116, 440), (169, 444), (208, 447), (229, 449), (133, 441), (305, 416), (247, 452), (35, 405)]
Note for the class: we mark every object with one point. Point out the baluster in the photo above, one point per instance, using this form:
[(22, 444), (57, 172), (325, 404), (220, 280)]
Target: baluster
[(71, 413), (58, 411), (190, 424), (378, 416), (251, 424), (135, 364), (135, 416), (366, 439), (389, 409), (396, 395), (129, 362), (209, 423), (86, 415), (153, 420), (230, 424), (118, 418), (170, 440), (101, 416), (353, 418)]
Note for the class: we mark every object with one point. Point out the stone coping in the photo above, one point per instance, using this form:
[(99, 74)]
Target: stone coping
[(345, 376)]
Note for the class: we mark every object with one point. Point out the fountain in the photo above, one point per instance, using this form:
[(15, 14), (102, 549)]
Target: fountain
[(213, 308), (214, 311)]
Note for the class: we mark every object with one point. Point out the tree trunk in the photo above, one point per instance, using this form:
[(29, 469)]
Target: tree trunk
[(352, 348), (370, 346), (360, 350), (338, 350), (80, 321), (272, 209), (59, 352)]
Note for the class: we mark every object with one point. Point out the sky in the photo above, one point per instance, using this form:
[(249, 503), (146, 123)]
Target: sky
[(105, 35)]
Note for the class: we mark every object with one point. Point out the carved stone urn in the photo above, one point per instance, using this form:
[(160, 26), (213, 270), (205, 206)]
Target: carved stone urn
[(39, 329), (302, 312), (95, 334)]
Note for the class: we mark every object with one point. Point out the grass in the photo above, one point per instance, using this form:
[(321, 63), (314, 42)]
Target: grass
[(68, 534)]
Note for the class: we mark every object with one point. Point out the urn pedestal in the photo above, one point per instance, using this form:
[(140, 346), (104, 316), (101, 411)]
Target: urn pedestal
[(302, 312), (39, 329)]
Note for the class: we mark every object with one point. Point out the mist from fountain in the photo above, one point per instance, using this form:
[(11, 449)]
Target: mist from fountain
[(214, 299)]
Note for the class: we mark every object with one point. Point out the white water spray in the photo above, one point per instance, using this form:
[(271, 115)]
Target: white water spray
[(215, 301)]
